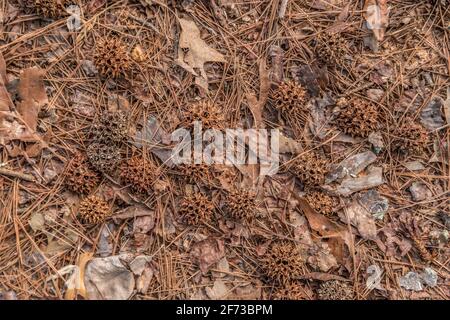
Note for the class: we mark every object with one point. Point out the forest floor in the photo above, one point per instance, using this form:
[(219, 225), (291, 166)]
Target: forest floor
[(92, 207)]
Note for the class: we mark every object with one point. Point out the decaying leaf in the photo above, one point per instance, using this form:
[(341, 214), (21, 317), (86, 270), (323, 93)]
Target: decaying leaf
[(134, 212), (108, 279), (375, 204), (138, 54), (313, 78), (374, 280), (339, 239), (57, 240), (376, 13), (59, 244), (218, 291), (37, 222), (142, 268), (248, 292), (361, 218), (154, 136), (144, 224), (276, 55), (75, 283), (321, 257), (432, 116), (256, 105), (21, 125), (288, 145), (32, 94), (198, 52), (393, 246), (207, 252), (420, 191)]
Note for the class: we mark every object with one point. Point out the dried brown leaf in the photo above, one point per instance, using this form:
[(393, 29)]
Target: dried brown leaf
[(32, 94), (312, 77), (207, 252), (198, 52), (256, 105), (339, 238), (376, 13), (358, 216)]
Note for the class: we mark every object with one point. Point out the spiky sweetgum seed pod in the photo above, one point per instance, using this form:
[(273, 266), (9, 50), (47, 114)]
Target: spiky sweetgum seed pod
[(241, 204), (196, 209), (111, 57), (291, 291), (331, 48), (140, 174), (410, 138), (79, 176), (207, 113), (289, 97), (93, 210), (310, 168), (357, 117), (335, 290), (104, 158), (196, 173), (110, 127), (283, 262), (46, 8), (322, 202)]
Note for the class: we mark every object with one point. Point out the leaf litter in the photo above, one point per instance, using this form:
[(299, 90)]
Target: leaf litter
[(387, 237)]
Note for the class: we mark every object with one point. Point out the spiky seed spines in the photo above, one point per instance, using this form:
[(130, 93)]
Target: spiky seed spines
[(94, 210), (290, 291), (110, 127), (310, 168), (290, 98), (241, 204), (283, 262), (196, 209), (410, 137), (141, 174), (47, 8), (357, 117), (335, 290), (104, 158), (331, 48), (322, 202), (207, 112), (196, 173), (79, 176), (111, 57)]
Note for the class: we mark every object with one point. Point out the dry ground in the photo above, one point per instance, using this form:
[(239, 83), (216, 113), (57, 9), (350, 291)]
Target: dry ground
[(298, 236)]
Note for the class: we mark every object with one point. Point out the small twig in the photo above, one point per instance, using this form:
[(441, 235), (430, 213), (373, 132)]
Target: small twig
[(15, 174)]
